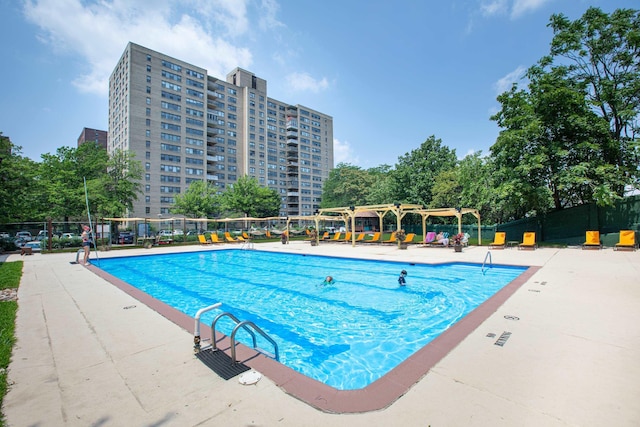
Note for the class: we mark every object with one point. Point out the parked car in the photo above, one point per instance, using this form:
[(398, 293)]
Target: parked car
[(165, 233), (4, 235), (125, 238), (34, 245), (68, 235), (24, 235), (178, 232), (42, 235)]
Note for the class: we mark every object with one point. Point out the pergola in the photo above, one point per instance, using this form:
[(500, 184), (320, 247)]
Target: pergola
[(457, 212), (348, 215)]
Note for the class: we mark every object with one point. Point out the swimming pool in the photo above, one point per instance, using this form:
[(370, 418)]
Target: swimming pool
[(346, 335)]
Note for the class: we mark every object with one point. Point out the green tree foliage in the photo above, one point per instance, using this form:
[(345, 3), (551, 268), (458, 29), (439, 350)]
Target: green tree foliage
[(114, 192), (555, 151), (347, 185), (415, 172), (199, 201), (19, 186), (63, 175), (381, 189), (249, 198), (602, 56)]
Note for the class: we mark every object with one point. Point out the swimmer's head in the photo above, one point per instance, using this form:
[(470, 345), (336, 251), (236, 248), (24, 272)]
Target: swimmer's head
[(403, 272), (328, 279)]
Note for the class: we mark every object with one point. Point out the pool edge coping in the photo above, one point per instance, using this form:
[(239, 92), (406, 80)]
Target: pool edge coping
[(379, 394)]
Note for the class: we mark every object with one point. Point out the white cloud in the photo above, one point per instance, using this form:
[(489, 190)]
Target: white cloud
[(494, 7), (269, 10), (343, 153), (101, 30), (504, 84), (513, 8), (304, 82), (520, 7)]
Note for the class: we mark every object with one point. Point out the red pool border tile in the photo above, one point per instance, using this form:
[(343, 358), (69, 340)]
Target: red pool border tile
[(377, 395)]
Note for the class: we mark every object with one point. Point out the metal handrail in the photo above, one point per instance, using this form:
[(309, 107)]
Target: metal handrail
[(264, 334), (488, 255), (214, 345), (196, 328)]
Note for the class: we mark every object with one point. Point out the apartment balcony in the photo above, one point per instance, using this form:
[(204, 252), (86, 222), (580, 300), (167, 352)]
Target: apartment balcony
[(292, 143), (212, 177), (292, 125), (293, 194), (292, 134)]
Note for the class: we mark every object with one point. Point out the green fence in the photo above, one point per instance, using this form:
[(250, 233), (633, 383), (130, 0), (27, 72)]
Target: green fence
[(569, 226)]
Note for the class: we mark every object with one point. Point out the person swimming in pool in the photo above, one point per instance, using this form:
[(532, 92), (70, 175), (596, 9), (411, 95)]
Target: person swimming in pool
[(328, 281), (401, 280)]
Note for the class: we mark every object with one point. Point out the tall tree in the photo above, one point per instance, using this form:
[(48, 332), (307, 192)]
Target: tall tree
[(117, 189), (601, 53), (63, 175), (347, 185), (249, 198), (199, 201), (415, 172), (20, 188)]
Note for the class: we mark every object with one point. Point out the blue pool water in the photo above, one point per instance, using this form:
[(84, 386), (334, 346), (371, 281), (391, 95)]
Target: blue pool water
[(347, 334)]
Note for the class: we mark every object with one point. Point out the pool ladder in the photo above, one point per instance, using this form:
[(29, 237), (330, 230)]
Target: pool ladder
[(488, 255), (246, 325)]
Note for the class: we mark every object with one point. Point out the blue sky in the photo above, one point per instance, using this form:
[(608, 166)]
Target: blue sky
[(391, 73)]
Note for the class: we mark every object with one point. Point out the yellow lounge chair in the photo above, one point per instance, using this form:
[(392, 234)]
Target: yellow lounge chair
[(528, 241), (202, 240), (374, 239), (325, 236), (347, 237), (627, 240), (499, 240), (245, 235), (391, 239), (214, 238), (228, 238), (592, 240), (409, 238), (335, 238), (360, 237)]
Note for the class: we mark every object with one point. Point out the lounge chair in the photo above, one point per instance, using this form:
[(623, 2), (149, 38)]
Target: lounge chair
[(627, 240), (325, 236), (214, 238), (374, 239), (465, 239), (347, 237), (391, 239), (230, 239), (430, 237), (268, 234), (245, 235), (360, 237), (409, 238), (203, 240), (592, 240), (528, 241), (336, 237), (499, 240)]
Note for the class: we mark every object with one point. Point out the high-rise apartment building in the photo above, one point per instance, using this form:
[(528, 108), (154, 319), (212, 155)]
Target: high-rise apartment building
[(184, 125)]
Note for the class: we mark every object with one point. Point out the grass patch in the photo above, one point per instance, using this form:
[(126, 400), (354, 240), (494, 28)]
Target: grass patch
[(10, 273)]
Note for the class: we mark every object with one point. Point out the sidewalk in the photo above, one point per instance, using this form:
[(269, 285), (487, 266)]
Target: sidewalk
[(88, 354)]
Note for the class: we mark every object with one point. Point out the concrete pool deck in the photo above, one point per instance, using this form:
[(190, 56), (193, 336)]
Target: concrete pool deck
[(89, 354)]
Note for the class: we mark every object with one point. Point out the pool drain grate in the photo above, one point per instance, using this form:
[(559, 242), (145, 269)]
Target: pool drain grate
[(503, 339), (220, 363)]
